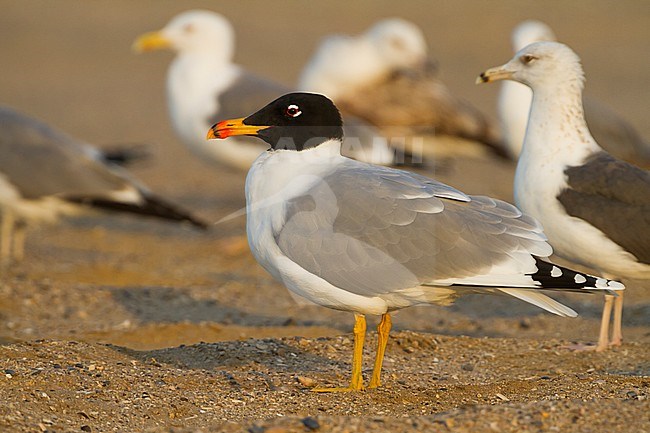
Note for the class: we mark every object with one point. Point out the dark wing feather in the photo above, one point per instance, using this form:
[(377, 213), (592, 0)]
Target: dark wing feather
[(613, 196)]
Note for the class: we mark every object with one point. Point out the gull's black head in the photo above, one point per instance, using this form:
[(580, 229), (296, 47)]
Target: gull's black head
[(295, 121)]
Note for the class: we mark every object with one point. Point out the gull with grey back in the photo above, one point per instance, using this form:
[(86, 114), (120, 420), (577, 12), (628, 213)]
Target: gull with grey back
[(204, 85), (595, 209), (45, 173), (370, 240)]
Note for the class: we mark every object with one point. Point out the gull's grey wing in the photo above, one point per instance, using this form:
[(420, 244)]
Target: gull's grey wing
[(372, 230), (614, 197), (614, 134), (40, 161)]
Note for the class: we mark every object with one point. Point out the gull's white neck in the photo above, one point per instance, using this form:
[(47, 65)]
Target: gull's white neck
[(556, 137), (288, 172), (192, 81), (556, 129)]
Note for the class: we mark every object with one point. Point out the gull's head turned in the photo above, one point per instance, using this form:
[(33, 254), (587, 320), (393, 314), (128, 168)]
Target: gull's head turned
[(539, 65)]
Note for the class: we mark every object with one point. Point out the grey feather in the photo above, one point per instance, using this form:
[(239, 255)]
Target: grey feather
[(614, 197), (40, 161), (373, 231)]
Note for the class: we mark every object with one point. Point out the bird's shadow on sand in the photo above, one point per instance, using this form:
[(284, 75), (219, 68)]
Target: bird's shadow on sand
[(273, 354), (173, 305)]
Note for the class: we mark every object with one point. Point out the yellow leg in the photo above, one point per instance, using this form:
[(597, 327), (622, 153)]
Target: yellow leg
[(603, 337), (617, 333), (356, 383), (383, 329)]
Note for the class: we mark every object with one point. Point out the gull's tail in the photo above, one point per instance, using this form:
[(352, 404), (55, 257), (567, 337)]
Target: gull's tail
[(558, 278), (150, 206), (548, 277)]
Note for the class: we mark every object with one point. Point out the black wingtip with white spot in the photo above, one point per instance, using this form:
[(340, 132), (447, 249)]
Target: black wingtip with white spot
[(555, 277)]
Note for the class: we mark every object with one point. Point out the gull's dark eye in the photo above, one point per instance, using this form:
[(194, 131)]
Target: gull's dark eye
[(527, 59), (292, 111), (188, 28)]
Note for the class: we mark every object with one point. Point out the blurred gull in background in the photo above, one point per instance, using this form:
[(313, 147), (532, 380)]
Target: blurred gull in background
[(386, 77), (204, 85), (45, 173), (613, 133)]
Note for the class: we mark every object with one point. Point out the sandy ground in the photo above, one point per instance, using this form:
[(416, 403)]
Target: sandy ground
[(119, 324)]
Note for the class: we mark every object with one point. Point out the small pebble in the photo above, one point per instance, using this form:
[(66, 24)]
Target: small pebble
[(306, 381), (311, 423)]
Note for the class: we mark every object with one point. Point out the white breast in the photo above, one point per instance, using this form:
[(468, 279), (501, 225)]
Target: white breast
[(275, 178), (557, 138)]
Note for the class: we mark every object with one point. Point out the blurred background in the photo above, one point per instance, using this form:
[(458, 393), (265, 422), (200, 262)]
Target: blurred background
[(70, 63)]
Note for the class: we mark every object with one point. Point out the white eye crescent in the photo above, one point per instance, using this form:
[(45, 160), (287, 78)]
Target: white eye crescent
[(292, 111)]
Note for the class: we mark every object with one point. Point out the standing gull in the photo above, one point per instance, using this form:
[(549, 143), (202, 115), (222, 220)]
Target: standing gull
[(204, 85), (45, 173), (385, 76), (595, 209), (367, 239), (613, 133)]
